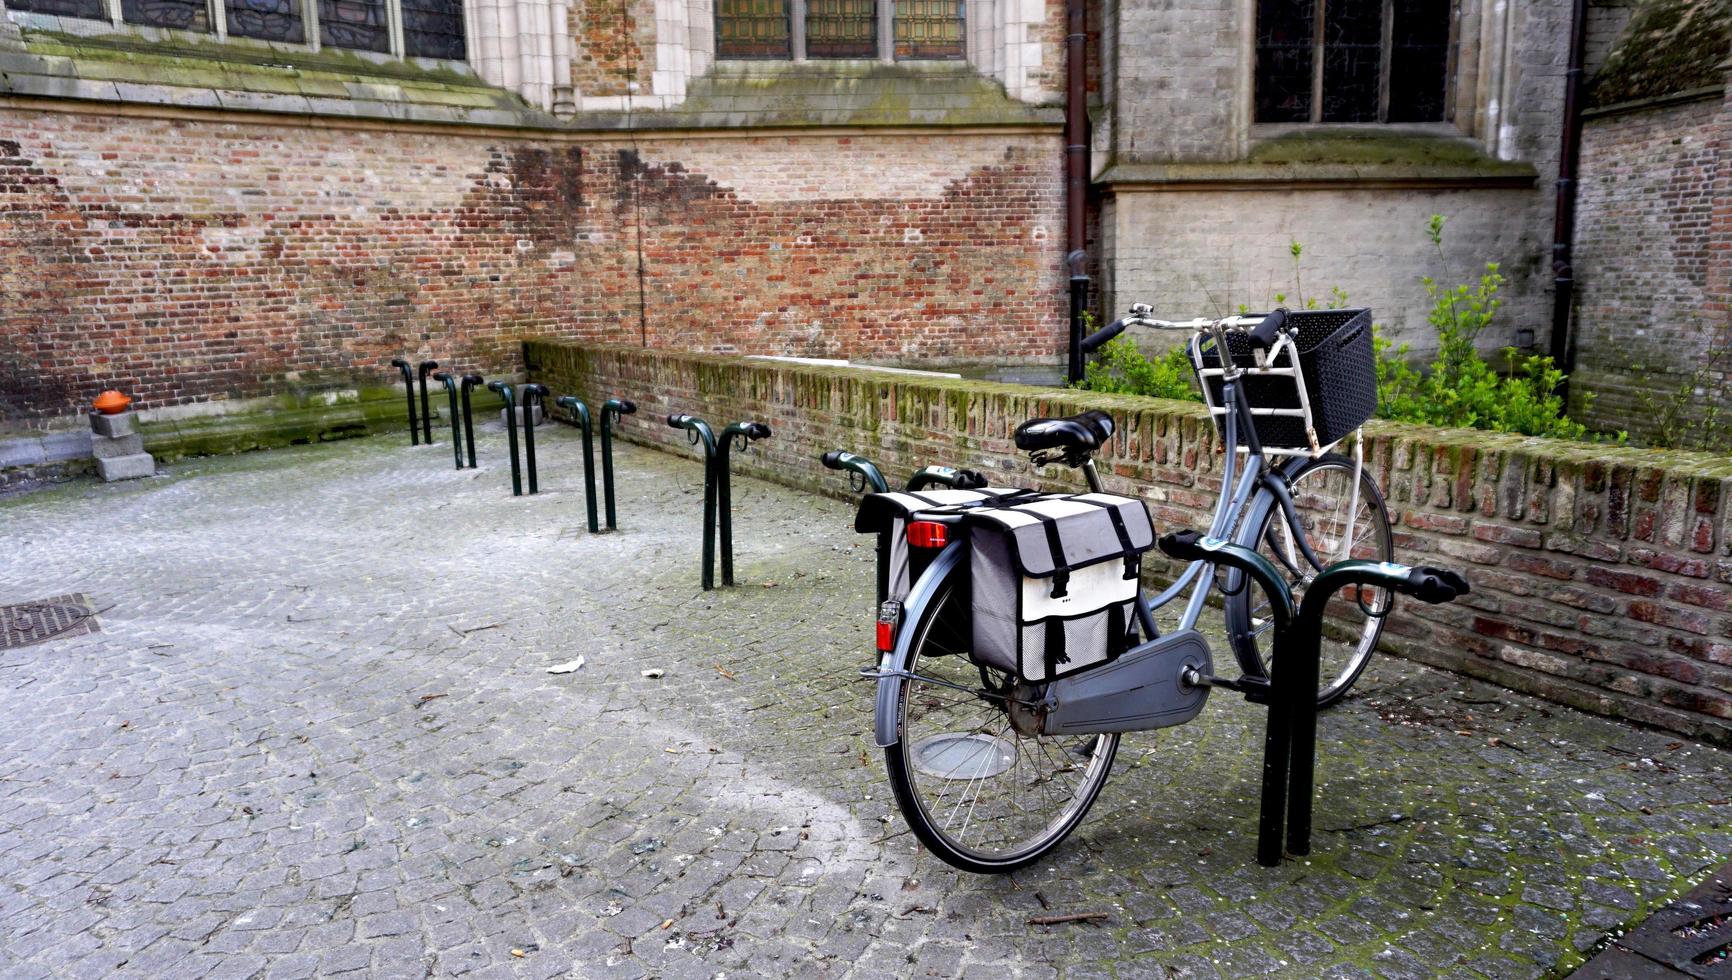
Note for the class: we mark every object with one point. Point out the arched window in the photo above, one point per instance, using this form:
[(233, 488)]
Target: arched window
[(1347, 61), (406, 28)]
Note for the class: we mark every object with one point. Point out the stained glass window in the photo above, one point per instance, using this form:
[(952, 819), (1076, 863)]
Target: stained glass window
[(186, 15), (929, 29), (1419, 60), (841, 29), (356, 24), (268, 20), (61, 8), (753, 29), (1350, 61), (433, 29)]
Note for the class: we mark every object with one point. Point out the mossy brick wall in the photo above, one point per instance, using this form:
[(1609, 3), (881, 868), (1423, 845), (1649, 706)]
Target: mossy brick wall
[(1653, 258), (1602, 576), (186, 261)]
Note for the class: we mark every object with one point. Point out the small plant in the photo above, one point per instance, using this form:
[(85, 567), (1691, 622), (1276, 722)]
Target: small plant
[(1122, 369), (1692, 414)]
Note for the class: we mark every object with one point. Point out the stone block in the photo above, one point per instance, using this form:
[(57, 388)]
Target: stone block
[(22, 451), (114, 426), (105, 448), (61, 446), (516, 415), (126, 467)]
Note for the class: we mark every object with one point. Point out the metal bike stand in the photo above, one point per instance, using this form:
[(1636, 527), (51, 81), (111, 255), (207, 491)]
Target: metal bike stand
[(409, 390), (510, 398), (1191, 546), (450, 383), (580, 414), (426, 413), (863, 474), (469, 381), (746, 433), (611, 411), (946, 476), (532, 396), (700, 432), (1426, 583)]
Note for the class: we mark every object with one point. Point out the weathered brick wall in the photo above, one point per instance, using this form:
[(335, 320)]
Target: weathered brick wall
[(614, 44), (1653, 258), (1602, 576), (186, 261)]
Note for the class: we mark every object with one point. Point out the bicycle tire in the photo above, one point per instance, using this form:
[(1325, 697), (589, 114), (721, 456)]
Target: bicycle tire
[(1350, 635), (938, 726)]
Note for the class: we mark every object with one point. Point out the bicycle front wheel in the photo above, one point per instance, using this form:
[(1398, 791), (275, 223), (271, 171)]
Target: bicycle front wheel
[(1339, 524), (975, 780)]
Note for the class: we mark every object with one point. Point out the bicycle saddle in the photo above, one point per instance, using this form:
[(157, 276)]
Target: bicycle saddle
[(1073, 432)]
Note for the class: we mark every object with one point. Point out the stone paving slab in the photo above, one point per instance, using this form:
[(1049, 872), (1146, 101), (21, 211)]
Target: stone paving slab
[(316, 735)]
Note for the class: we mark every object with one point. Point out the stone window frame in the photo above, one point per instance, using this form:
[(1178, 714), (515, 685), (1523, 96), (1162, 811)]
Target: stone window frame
[(216, 11), (1385, 52), (884, 14)]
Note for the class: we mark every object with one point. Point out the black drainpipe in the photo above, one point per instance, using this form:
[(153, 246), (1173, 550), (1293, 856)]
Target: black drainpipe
[(1564, 221), (1076, 175)]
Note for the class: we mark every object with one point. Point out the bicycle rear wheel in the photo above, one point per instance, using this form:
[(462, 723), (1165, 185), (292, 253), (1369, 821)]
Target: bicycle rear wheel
[(973, 777), (1322, 496)]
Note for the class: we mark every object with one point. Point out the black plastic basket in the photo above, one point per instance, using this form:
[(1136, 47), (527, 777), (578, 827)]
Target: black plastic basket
[(1339, 369)]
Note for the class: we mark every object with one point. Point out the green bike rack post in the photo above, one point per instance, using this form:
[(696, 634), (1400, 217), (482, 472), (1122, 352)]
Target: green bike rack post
[(580, 414), (469, 381), (409, 390), (510, 397), (450, 383), (426, 413), (746, 433), (700, 432), (532, 396), (611, 412)]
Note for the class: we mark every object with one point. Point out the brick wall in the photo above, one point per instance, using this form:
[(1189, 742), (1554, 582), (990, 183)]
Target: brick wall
[(1653, 259), (186, 261), (1602, 576)]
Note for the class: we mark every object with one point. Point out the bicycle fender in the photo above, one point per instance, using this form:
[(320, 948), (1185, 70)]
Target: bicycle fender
[(890, 688)]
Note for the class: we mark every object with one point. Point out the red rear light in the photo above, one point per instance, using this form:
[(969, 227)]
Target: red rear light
[(886, 637), (928, 534), (889, 613)]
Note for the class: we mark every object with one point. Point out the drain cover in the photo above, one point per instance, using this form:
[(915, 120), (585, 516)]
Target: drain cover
[(955, 755), (1691, 937), (45, 619)]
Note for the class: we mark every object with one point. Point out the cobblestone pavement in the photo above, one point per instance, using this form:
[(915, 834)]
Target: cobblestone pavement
[(316, 734)]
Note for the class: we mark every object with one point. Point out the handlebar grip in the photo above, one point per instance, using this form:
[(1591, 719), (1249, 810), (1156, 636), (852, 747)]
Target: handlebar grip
[(1102, 335), (757, 430), (834, 459), (1428, 583), (1263, 334)]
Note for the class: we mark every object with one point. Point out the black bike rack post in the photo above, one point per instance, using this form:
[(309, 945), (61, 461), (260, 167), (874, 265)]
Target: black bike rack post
[(450, 383), (409, 390), (580, 414), (700, 432), (946, 476), (532, 396), (426, 413), (611, 411), (469, 381), (864, 474), (510, 397), (746, 433), (1424, 582)]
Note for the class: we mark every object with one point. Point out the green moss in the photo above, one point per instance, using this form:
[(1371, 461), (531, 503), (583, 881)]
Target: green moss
[(1669, 46), (1360, 148)]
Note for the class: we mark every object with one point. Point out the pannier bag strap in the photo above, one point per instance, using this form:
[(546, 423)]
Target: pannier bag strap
[(1061, 569), (1055, 646), (1133, 558)]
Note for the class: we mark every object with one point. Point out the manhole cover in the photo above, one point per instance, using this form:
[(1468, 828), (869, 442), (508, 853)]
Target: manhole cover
[(45, 619), (963, 756), (1690, 937)]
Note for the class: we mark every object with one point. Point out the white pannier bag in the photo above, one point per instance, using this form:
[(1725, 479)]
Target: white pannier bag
[(889, 513), (1054, 580)]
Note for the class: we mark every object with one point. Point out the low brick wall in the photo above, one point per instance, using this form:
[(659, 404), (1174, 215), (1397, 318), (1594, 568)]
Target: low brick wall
[(1601, 574)]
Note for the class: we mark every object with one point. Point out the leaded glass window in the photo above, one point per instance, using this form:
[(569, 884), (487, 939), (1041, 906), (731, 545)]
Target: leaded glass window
[(185, 15), (929, 29), (433, 29), (61, 8), (841, 29), (267, 20), (360, 25), (1352, 61), (753, 29)]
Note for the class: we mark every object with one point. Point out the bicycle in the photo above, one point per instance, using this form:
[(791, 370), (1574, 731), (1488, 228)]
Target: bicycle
[(944, 720)]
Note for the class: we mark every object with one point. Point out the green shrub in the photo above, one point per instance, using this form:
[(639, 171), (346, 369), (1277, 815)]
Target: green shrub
[(1121, 368)]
